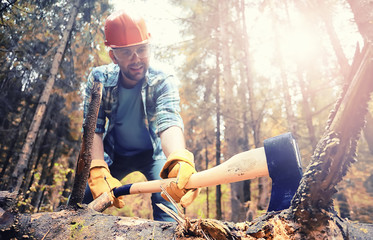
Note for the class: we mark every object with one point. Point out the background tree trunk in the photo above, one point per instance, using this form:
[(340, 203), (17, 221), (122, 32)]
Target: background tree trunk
[(230, 111), (363, 14), (307, 109), (218, 133), (368, 131), (17, 176)]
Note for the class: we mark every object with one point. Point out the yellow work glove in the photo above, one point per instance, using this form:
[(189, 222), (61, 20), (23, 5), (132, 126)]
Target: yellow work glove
[(100, 181), (180, 165)]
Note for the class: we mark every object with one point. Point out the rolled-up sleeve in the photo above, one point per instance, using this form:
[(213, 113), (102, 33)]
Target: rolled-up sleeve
[(101, 119), (168, 105)]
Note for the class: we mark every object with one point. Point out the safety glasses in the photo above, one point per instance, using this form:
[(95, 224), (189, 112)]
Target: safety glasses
[(126, 53)]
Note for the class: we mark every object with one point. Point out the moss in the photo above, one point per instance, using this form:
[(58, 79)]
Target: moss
[(75, 229)]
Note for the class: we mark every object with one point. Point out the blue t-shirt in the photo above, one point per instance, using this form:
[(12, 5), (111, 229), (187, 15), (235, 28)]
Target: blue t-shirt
[(130, 133)]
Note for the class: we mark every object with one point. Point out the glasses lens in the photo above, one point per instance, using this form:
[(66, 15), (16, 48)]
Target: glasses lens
[(127, 53), (143, 51)]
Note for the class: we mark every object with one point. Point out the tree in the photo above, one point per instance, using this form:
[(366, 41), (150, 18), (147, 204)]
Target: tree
[(31, 33), (17, 176)]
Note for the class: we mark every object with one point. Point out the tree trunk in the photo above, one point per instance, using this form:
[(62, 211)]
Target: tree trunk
[(255, 118), (335, 42), (288, 105), (37, 157), (46, 176), (17, 176), (206, 167), (10, 153), (336, 150), (307, 109), (73, 154), (363, 14), (230, 115), (368, 132), (218, 134)]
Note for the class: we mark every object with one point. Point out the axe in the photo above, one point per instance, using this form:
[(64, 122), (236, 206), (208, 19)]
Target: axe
[(279, 158)]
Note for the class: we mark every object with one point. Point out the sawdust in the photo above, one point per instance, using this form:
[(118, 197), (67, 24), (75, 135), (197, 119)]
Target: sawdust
[(131, 221), (204, 229)]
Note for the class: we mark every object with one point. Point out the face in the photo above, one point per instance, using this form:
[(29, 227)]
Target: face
[(133, 63)]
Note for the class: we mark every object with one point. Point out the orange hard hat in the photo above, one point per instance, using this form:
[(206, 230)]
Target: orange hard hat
[(124, 30)]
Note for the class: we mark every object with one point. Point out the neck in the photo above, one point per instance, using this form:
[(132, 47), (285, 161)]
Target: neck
[(127, 82)]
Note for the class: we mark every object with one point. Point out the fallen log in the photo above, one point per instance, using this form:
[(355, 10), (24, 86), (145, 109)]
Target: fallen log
[(85, 223)]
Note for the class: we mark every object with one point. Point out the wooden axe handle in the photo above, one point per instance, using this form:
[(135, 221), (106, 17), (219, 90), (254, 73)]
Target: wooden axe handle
[(242, 166)]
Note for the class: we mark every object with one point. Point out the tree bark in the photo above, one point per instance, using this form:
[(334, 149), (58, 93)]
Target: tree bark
[(19, 172), (336, 150), (85, 155)]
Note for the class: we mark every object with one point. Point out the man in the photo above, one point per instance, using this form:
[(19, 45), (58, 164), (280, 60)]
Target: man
[(144, 131)]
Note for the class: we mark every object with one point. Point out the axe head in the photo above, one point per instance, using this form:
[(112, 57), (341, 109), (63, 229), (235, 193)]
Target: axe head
[(285, 170)]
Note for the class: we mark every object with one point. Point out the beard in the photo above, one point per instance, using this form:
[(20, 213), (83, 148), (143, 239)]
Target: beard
[(135, 72)]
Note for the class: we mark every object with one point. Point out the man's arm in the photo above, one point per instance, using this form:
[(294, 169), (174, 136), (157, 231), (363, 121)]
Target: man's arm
[(98, 147), (179, 164), (172, 139), (100, 179)]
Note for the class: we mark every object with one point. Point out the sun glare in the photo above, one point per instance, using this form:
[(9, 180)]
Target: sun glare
[(298, 44), (160, 17), (294, 39)]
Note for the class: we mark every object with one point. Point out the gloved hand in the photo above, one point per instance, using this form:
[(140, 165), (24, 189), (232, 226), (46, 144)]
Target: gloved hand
[(100, 181), (180, 165)]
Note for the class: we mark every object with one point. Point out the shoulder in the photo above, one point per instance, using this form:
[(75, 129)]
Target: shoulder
[(161, 74), (106, 74)]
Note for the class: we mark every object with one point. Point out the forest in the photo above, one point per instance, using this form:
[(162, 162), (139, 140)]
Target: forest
[(248, 70)]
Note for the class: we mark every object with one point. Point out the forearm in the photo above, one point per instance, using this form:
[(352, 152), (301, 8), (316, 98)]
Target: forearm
[(172, 139), (97, 147)]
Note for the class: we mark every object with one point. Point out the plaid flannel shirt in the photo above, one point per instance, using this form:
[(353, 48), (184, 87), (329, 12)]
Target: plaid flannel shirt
[(160, 97)]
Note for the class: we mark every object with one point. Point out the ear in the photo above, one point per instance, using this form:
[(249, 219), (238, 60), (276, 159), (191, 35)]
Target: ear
[(111, 54)]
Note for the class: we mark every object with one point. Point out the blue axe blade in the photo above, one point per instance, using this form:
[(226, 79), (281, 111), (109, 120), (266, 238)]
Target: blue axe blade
[(285, 170)]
